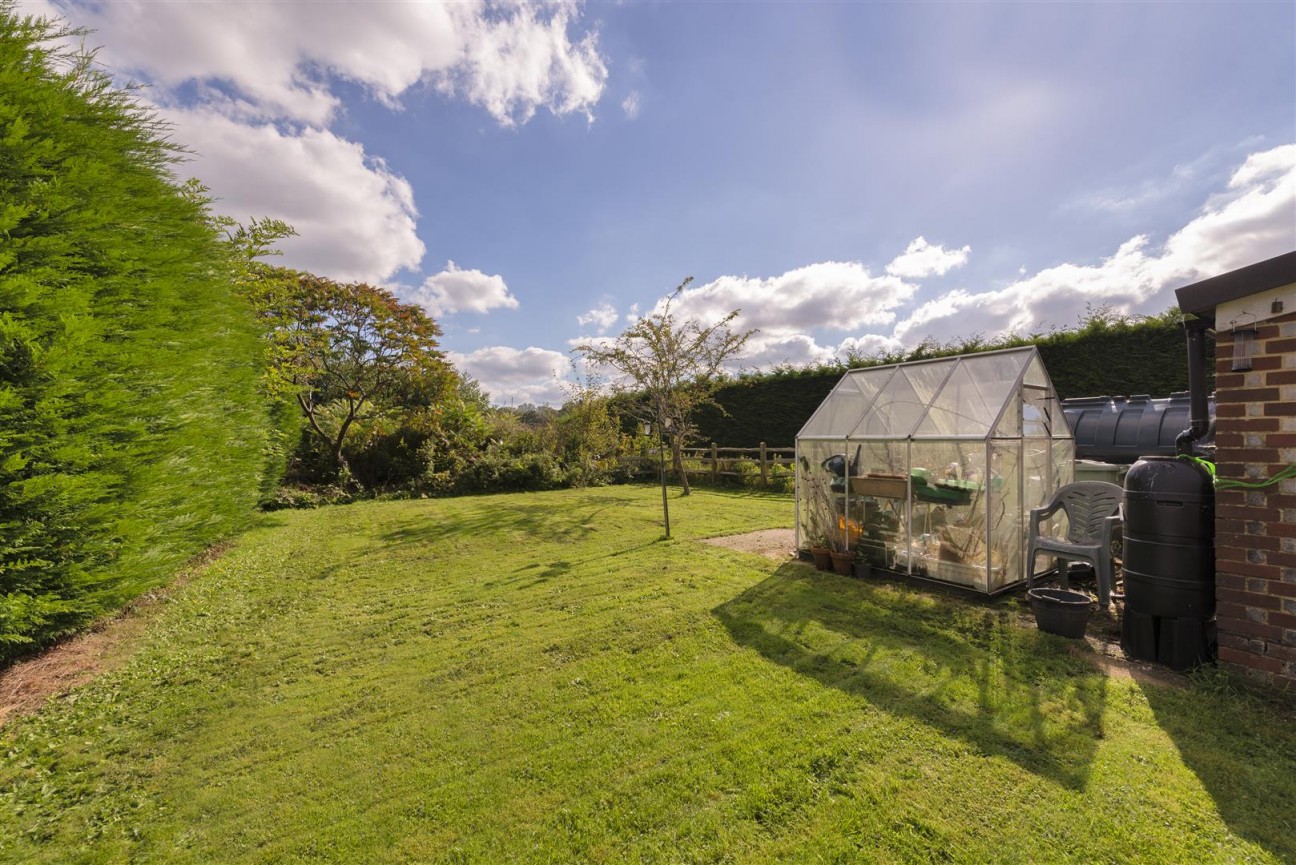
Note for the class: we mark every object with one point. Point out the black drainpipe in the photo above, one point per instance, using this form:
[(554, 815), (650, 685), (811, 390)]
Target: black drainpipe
[(1198, 413)]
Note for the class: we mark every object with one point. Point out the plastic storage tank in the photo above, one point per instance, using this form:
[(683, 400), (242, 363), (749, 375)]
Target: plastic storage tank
[(1091, 470), (1169, 562), (1122, 429)]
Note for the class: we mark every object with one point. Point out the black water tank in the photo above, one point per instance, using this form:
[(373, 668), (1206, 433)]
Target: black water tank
[(1169, 539), (1121, 429)]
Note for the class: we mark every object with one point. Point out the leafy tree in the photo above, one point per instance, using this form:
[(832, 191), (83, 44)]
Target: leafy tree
[(587, 432), (252, 242), (462, 430), (677, 365), (343, 352)]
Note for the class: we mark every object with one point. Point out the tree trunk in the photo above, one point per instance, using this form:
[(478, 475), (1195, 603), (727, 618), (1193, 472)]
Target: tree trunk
[(343, 470), (677, 457), (344, 476)]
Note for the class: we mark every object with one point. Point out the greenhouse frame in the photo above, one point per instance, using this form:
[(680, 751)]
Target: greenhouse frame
[(930, 468)]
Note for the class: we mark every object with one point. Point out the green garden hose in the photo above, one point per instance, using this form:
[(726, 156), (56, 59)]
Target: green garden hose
[(1229, 484)]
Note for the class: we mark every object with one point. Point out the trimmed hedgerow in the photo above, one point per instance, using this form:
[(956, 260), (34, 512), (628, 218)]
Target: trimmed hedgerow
[(134, 434)]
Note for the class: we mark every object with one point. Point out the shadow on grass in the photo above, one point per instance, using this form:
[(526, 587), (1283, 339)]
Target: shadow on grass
[(572, 522), (575, 521), (963, 668), (1243, 752)]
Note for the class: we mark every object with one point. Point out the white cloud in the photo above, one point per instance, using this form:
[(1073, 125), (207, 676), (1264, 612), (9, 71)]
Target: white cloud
[(264, 77), (922, 259), (1250, 221), (866, 345), (520, 63), (1265, 166), (1055, 296), (832, 294), (1254, 219), (516, 376), (457, 290), (511, 64), (507, 58), (1126, 199), (767, 351), (630, 105), (783, 309), (921, 319), (306, 179), (602, 316), (1129, 199)]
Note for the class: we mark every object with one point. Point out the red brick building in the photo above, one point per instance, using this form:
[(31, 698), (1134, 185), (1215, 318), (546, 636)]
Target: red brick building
[(1253, 311)]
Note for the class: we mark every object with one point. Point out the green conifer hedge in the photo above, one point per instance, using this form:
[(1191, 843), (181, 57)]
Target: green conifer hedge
[(132, 434)]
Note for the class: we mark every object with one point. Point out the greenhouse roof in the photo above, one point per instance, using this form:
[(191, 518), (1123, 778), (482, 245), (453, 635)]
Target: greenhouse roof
[(967, 396)]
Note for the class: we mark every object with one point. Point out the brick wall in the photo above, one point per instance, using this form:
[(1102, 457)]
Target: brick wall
[(1255, 542)]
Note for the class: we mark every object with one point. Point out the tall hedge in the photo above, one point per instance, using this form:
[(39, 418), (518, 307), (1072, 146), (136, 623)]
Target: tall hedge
[(1106, 356), (133, 433)]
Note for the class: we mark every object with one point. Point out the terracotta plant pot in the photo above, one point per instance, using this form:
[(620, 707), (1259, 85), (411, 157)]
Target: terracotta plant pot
[(822, 558), (843, 563)]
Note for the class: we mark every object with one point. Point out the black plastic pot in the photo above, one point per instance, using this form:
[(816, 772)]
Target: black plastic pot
[(1061, 611)]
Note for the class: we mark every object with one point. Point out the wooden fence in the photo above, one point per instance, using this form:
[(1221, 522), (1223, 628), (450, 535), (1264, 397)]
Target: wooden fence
[(763, 467)]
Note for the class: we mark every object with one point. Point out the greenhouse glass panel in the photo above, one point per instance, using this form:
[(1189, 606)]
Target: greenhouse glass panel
[(936, 478), (972, 396), (959, 409), (1042, 413), (1010, 422), (1035, 374), (902, 403), (839, 414), (1007, 530), (1063, 462), (927, 378), (813, 482)]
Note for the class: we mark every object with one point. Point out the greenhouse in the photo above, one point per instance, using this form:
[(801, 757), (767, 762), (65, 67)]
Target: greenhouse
[(930, 468)]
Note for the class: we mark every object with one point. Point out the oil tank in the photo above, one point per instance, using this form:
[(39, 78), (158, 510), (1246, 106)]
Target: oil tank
[(1169, 562), (1121, 429)]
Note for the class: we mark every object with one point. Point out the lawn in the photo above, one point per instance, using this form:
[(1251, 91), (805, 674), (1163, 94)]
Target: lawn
[(543, 678)]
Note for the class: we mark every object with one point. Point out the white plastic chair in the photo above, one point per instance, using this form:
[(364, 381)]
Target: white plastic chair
[(1093, 514)]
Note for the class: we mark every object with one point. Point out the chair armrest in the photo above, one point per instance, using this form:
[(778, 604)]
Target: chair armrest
[(1109, 526), (1038, 515)]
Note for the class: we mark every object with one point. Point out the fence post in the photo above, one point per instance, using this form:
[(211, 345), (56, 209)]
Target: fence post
[(764, 467), (715, 464)]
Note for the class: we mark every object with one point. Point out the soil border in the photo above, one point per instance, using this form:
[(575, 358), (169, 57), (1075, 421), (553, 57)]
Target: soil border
[(28, 684)]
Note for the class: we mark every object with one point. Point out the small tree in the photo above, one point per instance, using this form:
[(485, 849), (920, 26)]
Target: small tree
[(341, 351), (676, 365), (588, 432)]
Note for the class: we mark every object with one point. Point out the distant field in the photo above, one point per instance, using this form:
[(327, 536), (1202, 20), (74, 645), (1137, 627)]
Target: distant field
[(541, 678)]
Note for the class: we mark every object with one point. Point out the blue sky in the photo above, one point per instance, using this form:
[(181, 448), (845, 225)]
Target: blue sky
[(852, 176)]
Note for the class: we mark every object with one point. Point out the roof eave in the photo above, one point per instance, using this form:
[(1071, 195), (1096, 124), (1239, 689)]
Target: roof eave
[(1201, 298)]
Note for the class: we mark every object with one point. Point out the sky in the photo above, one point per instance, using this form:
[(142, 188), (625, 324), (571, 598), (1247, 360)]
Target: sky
[(851, 176)]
